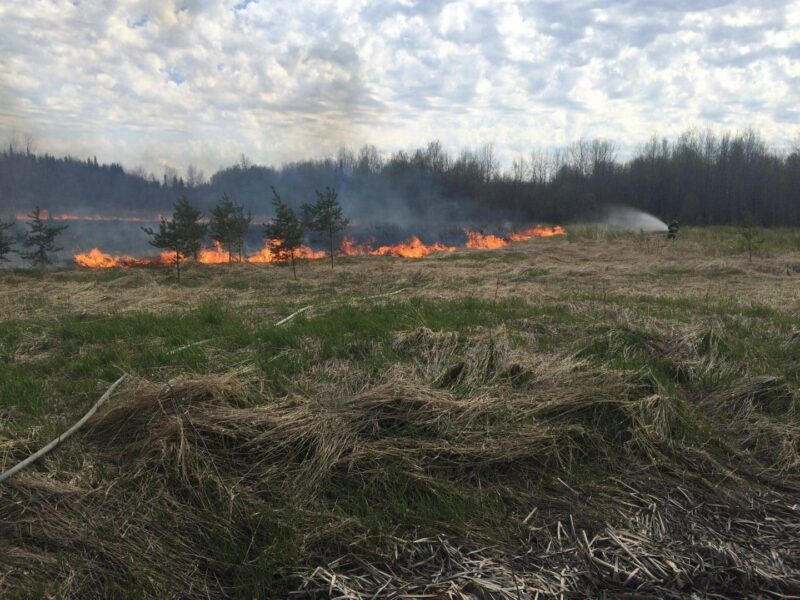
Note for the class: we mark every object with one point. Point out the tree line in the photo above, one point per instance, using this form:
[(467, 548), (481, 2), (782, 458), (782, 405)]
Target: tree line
[(700, 178)]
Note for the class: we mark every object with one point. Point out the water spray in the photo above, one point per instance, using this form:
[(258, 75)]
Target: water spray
[(625, 217)]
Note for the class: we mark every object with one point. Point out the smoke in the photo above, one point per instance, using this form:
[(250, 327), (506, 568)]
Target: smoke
[(388, 201), (625, 217)]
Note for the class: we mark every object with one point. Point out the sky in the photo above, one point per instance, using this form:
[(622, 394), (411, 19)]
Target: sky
[(158, 83)]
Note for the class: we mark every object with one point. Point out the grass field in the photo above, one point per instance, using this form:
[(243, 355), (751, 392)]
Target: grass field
[(606, 413)]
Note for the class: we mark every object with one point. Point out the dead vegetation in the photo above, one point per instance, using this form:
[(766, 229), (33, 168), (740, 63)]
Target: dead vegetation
[(597, 490), (662, 546), (595, 448), (537, 269)]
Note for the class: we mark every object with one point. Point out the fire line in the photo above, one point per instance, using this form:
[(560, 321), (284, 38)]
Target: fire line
[(411, 249)]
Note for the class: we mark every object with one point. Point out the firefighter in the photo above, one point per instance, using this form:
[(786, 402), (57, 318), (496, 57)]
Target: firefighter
[(672, 230)]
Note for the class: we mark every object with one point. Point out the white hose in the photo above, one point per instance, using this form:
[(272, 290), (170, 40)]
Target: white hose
[(33, 457)]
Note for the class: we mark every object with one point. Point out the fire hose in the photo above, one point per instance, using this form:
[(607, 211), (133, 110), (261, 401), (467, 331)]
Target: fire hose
[(37, 455)]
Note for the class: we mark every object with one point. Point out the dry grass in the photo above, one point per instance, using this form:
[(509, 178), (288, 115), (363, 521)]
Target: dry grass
[(629, 431), (665, 517), (535, 268)]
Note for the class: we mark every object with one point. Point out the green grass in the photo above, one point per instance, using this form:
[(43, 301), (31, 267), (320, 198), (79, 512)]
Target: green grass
[(84, 350), (143, 342), (715, 240), (77, 351)]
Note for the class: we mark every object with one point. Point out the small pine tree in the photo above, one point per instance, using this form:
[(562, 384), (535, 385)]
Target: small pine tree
[(751, 239), (41, 238), (166, 238), (179, 235), (228, 226), (325, 216), (188, 226), (5, 240), (284, 232)]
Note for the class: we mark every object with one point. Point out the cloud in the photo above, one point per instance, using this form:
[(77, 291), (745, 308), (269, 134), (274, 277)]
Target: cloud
[(158, 82)]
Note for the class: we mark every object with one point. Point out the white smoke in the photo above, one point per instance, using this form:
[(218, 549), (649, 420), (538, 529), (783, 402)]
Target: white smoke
[(625, 217)]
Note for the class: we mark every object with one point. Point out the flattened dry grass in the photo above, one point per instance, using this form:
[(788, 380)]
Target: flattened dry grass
[(481, 466)]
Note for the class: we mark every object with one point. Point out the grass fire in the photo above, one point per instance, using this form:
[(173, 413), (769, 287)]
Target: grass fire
[(413, 248), (359, 301)]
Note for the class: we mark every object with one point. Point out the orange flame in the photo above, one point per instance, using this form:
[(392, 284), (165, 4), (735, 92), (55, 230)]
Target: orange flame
[(218, 255), (96, 259), (478, 240), (535, 232), (214, 256), (306, 253), (413, 248), (265, 255), (349, 247)]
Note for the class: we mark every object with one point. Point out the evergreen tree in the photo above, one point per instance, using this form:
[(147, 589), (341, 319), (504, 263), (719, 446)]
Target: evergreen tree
[(179, 235), (166, 238), (188, 226), (284, 232), (40, 238), (5, 240), (228, 226), (325, 216), (751, 238)]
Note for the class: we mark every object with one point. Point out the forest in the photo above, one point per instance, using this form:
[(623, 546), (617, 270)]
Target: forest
[(699, 178)]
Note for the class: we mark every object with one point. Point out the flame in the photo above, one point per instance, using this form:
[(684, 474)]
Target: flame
[(218, 255), (478, 240), (167, 257), (535, 232), (96, 259), (307, 253), (349, 247), (215, 256), (265, 255), (413, 248)]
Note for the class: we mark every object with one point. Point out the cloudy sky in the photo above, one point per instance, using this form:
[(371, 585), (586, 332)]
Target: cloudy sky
[(155, 82)]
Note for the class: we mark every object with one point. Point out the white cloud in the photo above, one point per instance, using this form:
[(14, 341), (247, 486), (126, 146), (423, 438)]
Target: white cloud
[(165, 81)]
